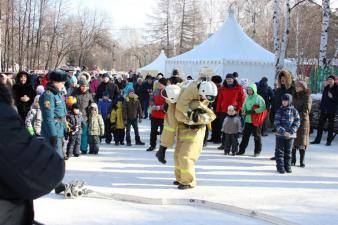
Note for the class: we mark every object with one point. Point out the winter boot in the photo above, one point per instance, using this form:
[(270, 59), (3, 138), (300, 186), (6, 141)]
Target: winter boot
[(302, 156), (161, 154), (184, 187), (128, 141), (176, 182), (150, 149), (222, 143), (293, 159), (138, 141)]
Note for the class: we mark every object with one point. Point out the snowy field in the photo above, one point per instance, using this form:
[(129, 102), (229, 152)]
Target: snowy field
[(307, 196)]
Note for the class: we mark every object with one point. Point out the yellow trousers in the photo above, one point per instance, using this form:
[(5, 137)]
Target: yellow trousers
[(188, 149)]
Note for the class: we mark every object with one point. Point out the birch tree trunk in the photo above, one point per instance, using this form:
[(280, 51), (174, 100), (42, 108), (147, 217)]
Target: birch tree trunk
[(276, 22), (324, 34), (284, 44)]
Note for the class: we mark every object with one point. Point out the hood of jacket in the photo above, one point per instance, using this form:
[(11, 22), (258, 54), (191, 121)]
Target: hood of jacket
[(288, 79), (254, 88)]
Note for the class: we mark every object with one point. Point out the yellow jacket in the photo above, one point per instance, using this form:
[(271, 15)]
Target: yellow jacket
[(116, 116), (190, 100)]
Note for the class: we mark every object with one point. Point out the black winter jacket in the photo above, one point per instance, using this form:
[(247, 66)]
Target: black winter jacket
[(111, 88), (327, 104), (29, 169)]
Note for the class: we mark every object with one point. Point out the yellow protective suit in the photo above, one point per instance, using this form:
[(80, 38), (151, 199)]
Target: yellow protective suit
[(190, 139), (169, 126)]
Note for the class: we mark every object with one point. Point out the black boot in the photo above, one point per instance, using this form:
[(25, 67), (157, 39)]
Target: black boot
[(161, 154), (60, 188), (138, 141), (293, 159), (302, 156)]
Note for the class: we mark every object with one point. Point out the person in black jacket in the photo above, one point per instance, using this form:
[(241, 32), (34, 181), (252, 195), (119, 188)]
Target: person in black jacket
[(23, 93), (108, 87), (328, 110), (29, 168), (265, 91), (147, 90)]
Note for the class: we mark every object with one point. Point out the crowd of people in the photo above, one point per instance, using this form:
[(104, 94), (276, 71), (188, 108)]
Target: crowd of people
[(101, 106), (74, 111)]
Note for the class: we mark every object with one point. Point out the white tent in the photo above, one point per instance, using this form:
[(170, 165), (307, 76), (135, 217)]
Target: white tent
[(157, 66), (226, 51)]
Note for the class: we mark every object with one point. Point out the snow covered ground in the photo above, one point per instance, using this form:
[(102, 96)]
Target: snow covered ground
[(307, 196)]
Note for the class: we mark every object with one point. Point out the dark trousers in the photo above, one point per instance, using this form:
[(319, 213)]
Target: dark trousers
[(119, 135), (73, 146), (256, 132), (155, 124), (145, 106), (283, 153), (265, 125), (107, 131), (216, 127), (94, 143), (134, 124), (322, 120), (230, 143)]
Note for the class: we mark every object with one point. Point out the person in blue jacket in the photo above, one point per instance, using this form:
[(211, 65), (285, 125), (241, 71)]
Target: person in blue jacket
[(54, 111), (105, 106)]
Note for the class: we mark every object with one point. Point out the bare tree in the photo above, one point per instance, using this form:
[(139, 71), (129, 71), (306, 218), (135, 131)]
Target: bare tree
[(324, 33)]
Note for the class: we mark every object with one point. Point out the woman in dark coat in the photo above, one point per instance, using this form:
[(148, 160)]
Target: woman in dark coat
[(302, 101), (23, 93)]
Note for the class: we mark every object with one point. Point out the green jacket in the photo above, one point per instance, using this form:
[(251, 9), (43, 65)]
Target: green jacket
[(252, 100), (96, 125)]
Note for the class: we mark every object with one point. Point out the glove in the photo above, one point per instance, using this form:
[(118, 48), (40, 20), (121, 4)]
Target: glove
[(161, 154), (30, 130), (165, 107), (196, 113), (53, 140)]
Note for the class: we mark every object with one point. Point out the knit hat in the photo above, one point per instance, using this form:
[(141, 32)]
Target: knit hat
[(333, 77), (130, 90), (235, 74), (175, 72), (231, 108), (105, 75), (82, 82), (230, 75), (40, 89), (163, 81), (76, 106), (216, 79), (287, 97), (303, 83), (189, 77)]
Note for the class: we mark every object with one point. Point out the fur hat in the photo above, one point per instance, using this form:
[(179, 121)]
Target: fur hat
[(58, 75)]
